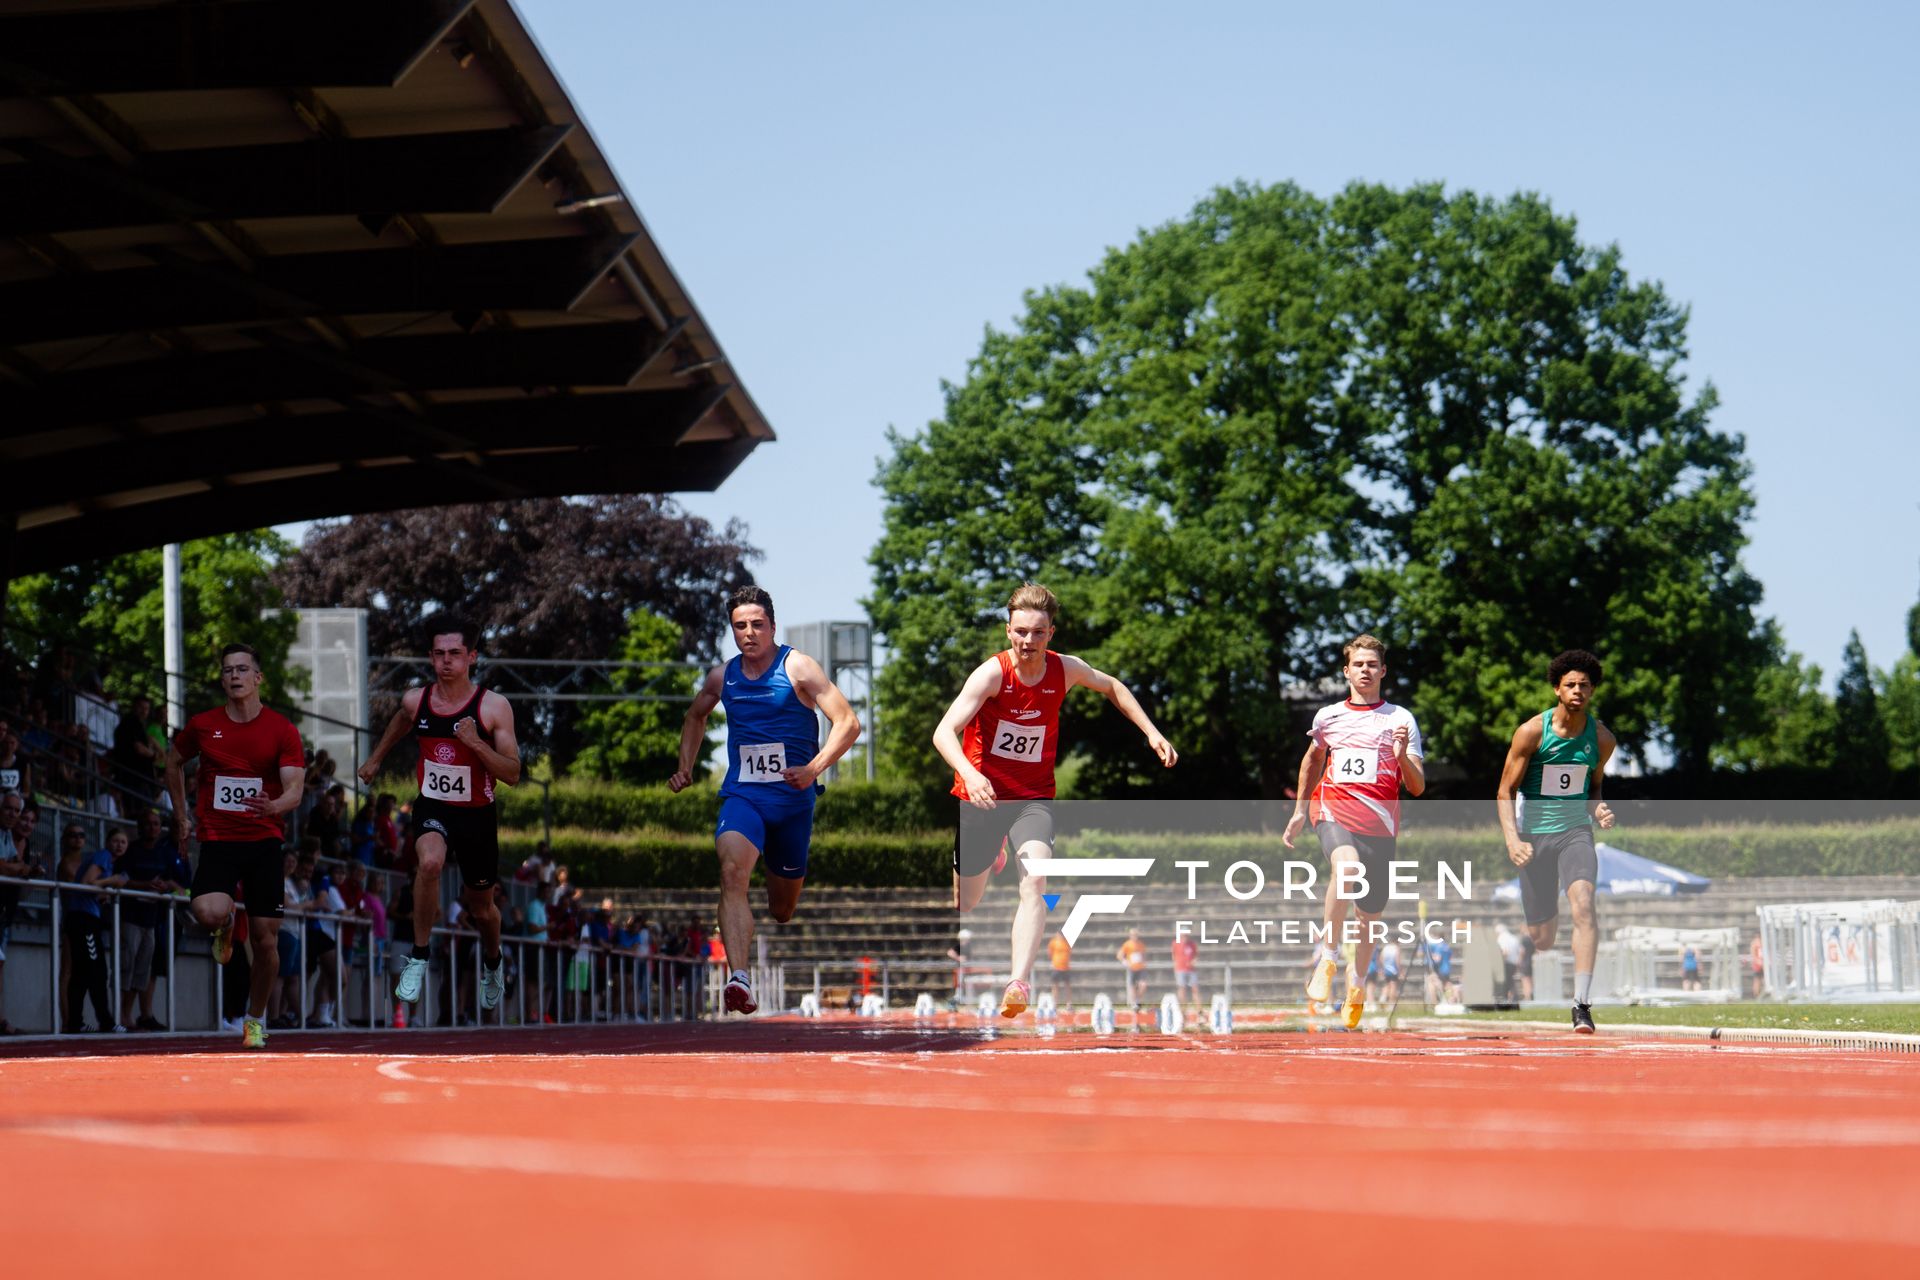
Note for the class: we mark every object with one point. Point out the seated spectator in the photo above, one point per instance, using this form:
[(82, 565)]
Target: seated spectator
[(153, 865)]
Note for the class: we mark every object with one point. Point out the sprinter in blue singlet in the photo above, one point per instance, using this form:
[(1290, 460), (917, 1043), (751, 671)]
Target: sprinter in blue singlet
[(774, 763)]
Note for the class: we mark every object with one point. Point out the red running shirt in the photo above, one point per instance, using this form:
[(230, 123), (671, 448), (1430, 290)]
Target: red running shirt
[(449, 771), (1013, 736), (1360, 788), (238, 760)]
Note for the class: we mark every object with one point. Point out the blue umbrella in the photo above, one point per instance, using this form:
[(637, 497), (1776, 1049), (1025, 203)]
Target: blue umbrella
[(1623, 872)]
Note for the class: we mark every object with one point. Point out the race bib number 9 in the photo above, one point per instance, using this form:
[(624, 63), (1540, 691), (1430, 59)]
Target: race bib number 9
[(1356, 766), (1563, 780), (450, 782), (763, 762), (230, 794), (1019, 741)]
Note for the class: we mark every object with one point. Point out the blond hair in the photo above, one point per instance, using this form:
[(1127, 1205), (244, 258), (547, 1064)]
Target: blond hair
[(1031, 595), (1363, 641)]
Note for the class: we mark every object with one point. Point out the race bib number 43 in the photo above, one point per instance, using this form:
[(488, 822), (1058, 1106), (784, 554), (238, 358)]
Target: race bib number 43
[(452, 782), (763, 762), (1563, 780), (1358, 766), (230, 794), (1019, 741)]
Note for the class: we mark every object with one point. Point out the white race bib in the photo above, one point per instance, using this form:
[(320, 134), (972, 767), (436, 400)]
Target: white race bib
[(1563, 779), (230, 794), (763, 761), (450, 782), (1016, 741), (1358, 766)]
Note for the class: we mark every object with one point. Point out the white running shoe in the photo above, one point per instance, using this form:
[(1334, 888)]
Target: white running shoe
[(413, 981), (493, 984), (738, 997)]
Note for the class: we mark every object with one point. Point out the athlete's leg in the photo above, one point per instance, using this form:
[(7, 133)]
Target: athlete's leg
[(783, 899), (1586, 931), (967, 890), (737, 856), (484, 914), (266, 964), (1030, 917), (431, 849), (1362, 950), (211, 910)]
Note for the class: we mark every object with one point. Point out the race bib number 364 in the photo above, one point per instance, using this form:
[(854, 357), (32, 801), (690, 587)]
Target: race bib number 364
[(1019, 741), (763, 762), (1357, 766), (230, 794), (447, 781)]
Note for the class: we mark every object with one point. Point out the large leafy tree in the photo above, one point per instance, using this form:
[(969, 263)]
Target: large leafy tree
[(1282, 419), (1862, 752), (541, 578), (638, 739), (1795, 729), (115, 609)]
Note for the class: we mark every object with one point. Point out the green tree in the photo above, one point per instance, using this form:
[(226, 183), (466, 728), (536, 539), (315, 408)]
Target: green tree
[(1284, 419), (1796, 722), (1900, 709), (116, 609), (1861, 750), (638, 741)]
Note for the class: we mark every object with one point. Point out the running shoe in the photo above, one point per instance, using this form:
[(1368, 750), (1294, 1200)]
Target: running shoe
[(493, 984), (1016, 998), (413, 981), (1582, 1020), (223, 942), (1320, 985), (254, 1034), (738, 997), (1355, 1006)]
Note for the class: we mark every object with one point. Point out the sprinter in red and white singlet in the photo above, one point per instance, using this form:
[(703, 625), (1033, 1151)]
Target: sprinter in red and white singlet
[(1009, 712)]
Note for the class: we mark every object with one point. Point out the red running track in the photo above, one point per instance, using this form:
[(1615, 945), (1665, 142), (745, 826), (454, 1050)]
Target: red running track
[(783, 1148)]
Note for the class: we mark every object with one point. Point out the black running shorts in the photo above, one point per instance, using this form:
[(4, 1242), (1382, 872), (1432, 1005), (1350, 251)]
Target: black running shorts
[(472, 833)]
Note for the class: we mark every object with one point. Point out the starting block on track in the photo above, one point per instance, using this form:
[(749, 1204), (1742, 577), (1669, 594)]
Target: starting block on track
[(872, 1006), (1103, 1014), (923, 1005), (1173, 1019), (987, 1008), (1220, 1017), (809, 1005)]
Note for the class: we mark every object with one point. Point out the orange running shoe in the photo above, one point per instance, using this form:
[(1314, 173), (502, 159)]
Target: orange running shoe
[(1016, 998), (1320, 985), (1355, 1006), (223, 950)]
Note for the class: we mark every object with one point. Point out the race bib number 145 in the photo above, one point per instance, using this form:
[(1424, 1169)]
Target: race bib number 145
[(763, 762)]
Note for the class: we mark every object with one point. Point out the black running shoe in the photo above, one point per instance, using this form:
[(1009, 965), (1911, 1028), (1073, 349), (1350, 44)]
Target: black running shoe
[(1582, 1020)]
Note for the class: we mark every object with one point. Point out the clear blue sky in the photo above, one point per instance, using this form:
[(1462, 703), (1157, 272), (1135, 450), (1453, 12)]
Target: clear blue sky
[(851, 193)]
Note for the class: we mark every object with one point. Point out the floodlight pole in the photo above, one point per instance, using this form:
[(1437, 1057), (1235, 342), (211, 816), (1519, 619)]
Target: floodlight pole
[(173, 628)]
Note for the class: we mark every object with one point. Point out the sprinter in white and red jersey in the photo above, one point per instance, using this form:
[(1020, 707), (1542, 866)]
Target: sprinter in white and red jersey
[(1009, 710), (466, 740), (1364, 750), (252, 771)]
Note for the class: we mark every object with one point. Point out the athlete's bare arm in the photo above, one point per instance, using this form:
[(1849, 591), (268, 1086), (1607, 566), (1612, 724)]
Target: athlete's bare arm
[(1311, 766), (293, 783), (1080, 673), (396, 730), (1602, 812), (176, 775), (693, 729), (1526, 742), (816, 690), (946, 735), (502, 755)]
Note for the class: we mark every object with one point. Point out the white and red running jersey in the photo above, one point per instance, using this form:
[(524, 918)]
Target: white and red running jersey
[(1360, 787)]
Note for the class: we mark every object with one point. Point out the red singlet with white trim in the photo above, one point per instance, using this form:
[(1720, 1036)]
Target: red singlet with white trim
[(1013, 736)]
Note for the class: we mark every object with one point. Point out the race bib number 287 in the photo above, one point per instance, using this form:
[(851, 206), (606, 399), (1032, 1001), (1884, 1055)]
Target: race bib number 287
[(1019, 741)]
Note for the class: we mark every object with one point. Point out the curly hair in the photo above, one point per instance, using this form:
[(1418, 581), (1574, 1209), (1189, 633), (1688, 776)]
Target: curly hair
[(1574, 660)]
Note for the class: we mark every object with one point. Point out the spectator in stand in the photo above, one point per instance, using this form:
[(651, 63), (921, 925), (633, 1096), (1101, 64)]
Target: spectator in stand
[(17, 818), (386, 834), (1757, 967), (97, 715), (561, 886), (533, 870), (134, 759), (1133, 954), (1689, 968), (643, 966), (1440, 986), (1060, 956), (323, 940), (283, 1002), (16, 765), (1388, 954), (151, 865), (696, 952), (87, 943), (326, 823), (361, 837), (54, 683)]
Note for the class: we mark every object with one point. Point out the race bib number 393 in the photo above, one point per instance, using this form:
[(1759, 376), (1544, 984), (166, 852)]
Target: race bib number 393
[(763, 762), (1358, 766), (447, 781), (1563, 779), (230, 794), (1019, 741)]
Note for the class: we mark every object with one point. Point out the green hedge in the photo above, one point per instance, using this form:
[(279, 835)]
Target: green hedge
[(658, 859), (612, 806)]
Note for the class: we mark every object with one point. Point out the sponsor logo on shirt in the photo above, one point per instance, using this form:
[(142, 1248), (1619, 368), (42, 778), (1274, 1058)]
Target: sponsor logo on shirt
[(444, 753), (1028, 714)]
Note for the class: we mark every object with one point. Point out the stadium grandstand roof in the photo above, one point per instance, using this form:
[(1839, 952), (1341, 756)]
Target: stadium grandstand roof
[(273, 260)]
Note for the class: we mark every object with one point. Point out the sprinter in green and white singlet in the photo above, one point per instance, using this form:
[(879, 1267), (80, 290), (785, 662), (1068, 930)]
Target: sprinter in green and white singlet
[(1555, 767)]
